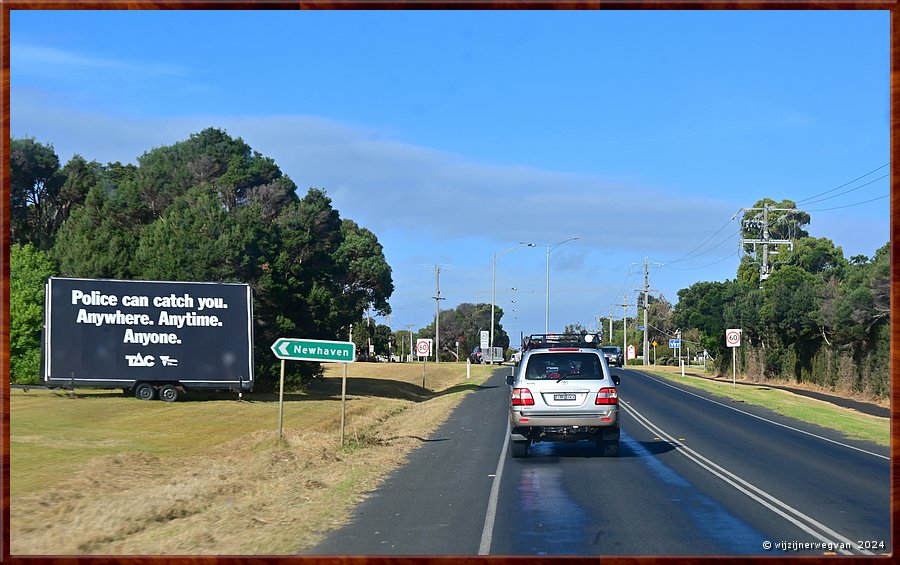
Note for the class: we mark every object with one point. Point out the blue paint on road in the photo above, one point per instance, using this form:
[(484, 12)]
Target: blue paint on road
[(734, 536)]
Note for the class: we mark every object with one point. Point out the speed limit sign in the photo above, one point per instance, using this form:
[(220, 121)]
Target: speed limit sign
[(733, 338), (423, 347)]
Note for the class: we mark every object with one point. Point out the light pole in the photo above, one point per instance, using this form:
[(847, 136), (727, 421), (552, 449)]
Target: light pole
[(547, 306), (494, 285)]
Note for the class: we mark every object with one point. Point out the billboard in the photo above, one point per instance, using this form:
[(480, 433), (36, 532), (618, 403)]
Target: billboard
[(114, 333)]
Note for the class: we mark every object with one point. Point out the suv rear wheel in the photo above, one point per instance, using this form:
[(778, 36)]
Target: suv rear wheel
[(608, 448), (520, 448)]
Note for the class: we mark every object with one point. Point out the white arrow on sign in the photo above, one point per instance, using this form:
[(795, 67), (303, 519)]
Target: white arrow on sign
[(283, 348)]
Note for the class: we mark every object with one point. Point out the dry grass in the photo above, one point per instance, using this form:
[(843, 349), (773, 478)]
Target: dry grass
[(104, 474)]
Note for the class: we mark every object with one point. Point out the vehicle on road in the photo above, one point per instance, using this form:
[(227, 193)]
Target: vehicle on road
[(492, 355), (563, 391), (614, 355), (487, 355)]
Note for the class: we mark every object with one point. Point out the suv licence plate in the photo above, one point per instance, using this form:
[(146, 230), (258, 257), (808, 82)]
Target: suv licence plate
[(564, 396)]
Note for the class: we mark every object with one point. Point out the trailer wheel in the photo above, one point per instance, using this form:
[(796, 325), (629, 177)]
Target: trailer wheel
[(169, 393), (145, 391)]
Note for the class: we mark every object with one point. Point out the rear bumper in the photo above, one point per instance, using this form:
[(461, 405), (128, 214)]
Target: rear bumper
[(528, 419)]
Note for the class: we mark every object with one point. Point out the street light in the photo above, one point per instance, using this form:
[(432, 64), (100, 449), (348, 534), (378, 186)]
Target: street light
[(494, 283), (547, 307)]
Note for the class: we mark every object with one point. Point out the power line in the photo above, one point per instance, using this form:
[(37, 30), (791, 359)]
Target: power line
[(716, 246), (845, 184), (849, 205), (684, 257), (847, 191), (729, 256)]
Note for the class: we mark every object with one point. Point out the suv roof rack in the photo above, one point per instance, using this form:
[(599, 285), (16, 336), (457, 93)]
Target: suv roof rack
[(544, 341)]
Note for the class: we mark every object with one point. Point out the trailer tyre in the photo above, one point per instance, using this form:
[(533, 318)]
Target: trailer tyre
[(144, 391), (169, 393)]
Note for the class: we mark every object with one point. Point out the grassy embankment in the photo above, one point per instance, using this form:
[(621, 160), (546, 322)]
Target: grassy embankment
[(108, 474), (851, 423)]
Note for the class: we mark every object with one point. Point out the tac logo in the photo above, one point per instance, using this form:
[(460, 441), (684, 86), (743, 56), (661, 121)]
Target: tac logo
[(140, 361)]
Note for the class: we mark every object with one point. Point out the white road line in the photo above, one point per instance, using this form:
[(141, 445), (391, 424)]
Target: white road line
[(764, 419), (487, 533), (799, 519)]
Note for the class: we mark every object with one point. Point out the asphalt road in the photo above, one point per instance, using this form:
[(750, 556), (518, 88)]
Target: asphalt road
[(694, 476)]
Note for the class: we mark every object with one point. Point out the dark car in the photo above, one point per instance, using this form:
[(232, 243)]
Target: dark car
[(613, 355)]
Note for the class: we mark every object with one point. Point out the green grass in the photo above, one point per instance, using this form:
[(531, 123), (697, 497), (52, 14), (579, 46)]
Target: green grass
[(108, 474), (51, 434), (853, 424)]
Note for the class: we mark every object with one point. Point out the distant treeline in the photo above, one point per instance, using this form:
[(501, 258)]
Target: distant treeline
[(817, 317), (208, 208)]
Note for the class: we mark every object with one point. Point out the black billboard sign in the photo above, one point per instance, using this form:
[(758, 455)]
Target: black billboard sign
[(113, 332)]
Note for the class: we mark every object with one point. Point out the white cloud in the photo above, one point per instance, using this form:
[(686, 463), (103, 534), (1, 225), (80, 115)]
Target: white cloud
[(49, 61), (387, 185)]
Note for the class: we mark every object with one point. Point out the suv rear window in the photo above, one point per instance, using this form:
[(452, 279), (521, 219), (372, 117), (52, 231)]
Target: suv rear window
[(611, 350), (555, 366)]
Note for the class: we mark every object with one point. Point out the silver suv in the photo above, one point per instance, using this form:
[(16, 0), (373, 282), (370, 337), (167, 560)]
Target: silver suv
[(613, 355), (562, 390)]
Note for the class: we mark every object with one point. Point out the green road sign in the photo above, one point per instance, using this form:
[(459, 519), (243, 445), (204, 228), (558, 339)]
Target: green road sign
[(291, 349)]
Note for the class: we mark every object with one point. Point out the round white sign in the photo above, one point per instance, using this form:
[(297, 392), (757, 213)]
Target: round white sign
[(423, 347), (733, 338)]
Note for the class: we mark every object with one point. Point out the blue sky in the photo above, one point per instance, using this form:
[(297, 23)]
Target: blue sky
[(455, 135)]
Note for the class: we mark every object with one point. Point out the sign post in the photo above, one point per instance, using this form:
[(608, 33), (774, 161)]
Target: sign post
[(423, 350), (293, 349), (733, 340)]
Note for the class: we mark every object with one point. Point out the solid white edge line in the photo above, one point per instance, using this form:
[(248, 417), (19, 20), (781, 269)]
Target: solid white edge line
[(487, 533), (740, 484), (761, 418)]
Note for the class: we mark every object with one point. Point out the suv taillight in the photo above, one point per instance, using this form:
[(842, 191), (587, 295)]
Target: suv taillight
[(522, 397), (607, 396)]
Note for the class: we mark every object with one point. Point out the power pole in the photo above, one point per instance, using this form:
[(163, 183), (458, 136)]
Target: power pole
[(625, 306), (437, 313), (646, 291), (610, 324), (766, 241), (646, 305), (409, 328)]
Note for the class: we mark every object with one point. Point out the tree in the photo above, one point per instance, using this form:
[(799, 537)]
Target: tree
[(33, 183), (210, 208), (789, 313), (99, 239), (770, 220), (817, 256), (29, 269), (785, 221), (194, 239), (465, 324)]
